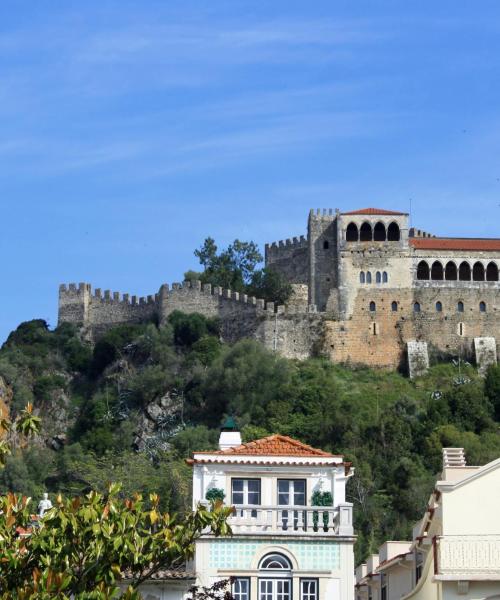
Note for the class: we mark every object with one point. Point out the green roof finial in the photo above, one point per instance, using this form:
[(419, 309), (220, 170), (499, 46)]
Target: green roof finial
[(229, 424)]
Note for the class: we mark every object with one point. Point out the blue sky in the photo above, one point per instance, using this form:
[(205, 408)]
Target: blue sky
[(129, 131)]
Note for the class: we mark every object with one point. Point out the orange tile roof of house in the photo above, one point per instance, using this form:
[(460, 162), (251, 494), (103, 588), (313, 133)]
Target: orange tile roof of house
[(374, 211), (473, 244), (273, 445)]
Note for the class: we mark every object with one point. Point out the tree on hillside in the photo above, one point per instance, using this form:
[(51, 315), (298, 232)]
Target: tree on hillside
[(236, 268), (230, 268)]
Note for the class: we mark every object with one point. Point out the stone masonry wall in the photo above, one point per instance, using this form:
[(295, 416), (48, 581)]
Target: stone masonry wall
[(378, 338), (323, 257), (99, 311), (290, 258)]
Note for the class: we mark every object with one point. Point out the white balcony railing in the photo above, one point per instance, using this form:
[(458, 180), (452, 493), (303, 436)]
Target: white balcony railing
[(292, 520), (468, 557)]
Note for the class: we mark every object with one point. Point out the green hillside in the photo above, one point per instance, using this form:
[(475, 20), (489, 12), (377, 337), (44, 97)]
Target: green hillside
[(132, 407)]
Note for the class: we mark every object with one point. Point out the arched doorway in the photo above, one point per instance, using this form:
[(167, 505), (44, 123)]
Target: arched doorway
[(393, 234), (379, 232), (275, 578), (351, 233), (423, 271), (365, 233)]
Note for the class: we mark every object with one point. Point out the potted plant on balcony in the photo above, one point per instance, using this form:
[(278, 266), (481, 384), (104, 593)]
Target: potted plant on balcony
[(320, 498), (215, 495)]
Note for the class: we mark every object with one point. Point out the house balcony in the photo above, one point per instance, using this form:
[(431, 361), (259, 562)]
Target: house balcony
[(314, 521), (467, 557)]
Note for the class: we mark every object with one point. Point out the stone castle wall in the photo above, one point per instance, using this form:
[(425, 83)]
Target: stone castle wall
[(290, 257), (378, 338)]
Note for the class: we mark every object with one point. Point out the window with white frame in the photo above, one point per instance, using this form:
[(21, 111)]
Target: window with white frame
[(245, 491), (241, 588), (291, 492), (309, 589)]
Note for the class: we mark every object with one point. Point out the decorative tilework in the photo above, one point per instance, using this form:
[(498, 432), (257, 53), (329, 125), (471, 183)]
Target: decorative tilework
[(238, 554)]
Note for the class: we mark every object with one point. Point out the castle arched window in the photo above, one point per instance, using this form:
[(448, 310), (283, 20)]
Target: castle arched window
[(492, 272), (460, 307), (416, 307), (439, 307), (275, 562), (373, 306), (378, 277), (379, 232), (362, 277), (464, 272), (351, 233), (385, 277), (394, 306), (368, 277), (478, 272), (437, 271), (482, 307), (451, 273), (365, 233), (326, 245), (393, 234), (423, 270)]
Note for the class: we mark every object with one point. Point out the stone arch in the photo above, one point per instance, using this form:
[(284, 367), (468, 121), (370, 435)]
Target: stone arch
[(451, 271), (368, 277), (351, 233), (482, 306), (379, 233), (373, 306), (460, 306), (492, 272), (437, 273), (378, 277), (394, 306), (385, 277), (439, 306), (365, 232), (423, 271), (464, 272), (362, 278), (393, 233), (416, 307), (478, 271)]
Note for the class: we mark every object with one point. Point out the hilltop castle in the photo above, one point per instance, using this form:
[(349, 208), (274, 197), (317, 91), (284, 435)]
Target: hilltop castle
[(366, 290)]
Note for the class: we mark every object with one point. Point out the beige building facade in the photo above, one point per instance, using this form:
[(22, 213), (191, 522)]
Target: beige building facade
[(455, 551)]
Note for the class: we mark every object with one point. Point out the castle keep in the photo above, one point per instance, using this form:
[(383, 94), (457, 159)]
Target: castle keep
[(367, 290)]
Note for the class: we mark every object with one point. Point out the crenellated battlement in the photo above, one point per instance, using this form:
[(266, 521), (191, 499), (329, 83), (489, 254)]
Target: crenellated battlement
[(109, 296), (295, 242), (207, 289), (323, 213)]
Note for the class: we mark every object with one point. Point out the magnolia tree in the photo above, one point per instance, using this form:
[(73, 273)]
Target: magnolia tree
[(98, 546)]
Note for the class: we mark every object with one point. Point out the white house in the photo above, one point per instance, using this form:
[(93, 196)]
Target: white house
[(455, 551), (283, 547)]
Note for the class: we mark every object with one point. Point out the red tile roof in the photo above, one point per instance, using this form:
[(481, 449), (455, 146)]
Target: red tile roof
[(374, 211), (477, 244), (273, 445)]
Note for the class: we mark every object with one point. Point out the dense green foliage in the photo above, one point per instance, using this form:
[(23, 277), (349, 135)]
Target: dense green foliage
[(143, 398), (82, 547)]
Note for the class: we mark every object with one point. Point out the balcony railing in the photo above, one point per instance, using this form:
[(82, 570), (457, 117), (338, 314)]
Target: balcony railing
[(467, 557), (292, 520)]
